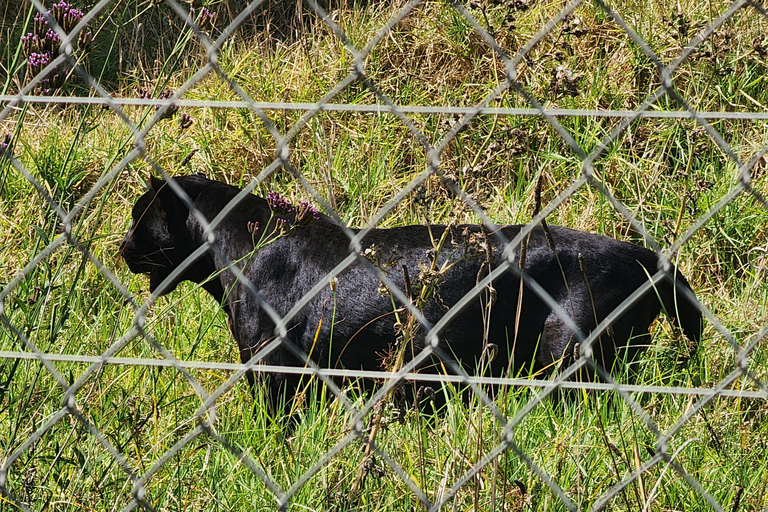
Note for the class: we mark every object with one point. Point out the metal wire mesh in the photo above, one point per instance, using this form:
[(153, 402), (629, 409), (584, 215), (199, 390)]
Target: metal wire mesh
[(743, 382)]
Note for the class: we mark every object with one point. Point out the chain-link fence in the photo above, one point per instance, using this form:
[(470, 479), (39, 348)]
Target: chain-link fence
[(91, 420)]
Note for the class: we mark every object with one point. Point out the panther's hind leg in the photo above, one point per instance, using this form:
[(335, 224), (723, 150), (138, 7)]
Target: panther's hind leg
[(557, 345)]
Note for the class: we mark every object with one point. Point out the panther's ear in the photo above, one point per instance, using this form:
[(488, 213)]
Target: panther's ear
[(155, 183)]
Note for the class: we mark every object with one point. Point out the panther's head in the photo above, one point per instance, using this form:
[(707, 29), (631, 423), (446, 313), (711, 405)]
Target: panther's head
[(160, 239)]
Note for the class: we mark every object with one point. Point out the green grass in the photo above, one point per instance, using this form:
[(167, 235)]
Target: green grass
[(667, 173)]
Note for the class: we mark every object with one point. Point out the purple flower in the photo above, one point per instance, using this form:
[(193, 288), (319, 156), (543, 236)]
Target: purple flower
[(253, 227), (282, 226), (39, 60), (205, 19), (172, 109), (52, 36), (66, 15), (29, 43), (40, 25), (85, 40), (306, 214), (5, 145), (279, 204), (42, 44)]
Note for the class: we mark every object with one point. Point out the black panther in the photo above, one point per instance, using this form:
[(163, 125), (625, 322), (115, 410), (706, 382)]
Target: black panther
[(356, 323)]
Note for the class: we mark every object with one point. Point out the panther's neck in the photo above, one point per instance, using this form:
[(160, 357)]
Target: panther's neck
[(249, 228), (253, 228), (232, 242)]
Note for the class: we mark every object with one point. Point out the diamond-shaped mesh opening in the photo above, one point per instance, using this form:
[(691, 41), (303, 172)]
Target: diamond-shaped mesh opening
[(383, 116)]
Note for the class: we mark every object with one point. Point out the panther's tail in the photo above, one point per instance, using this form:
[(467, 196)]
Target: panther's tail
[(681, 306)]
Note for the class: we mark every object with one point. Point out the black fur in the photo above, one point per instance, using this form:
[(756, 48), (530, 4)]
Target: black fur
[(353, 325)]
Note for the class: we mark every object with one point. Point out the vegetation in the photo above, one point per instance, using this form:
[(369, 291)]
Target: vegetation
[(666, 172)]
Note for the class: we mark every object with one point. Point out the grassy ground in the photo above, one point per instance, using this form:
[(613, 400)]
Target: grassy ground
[(667, 172)]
